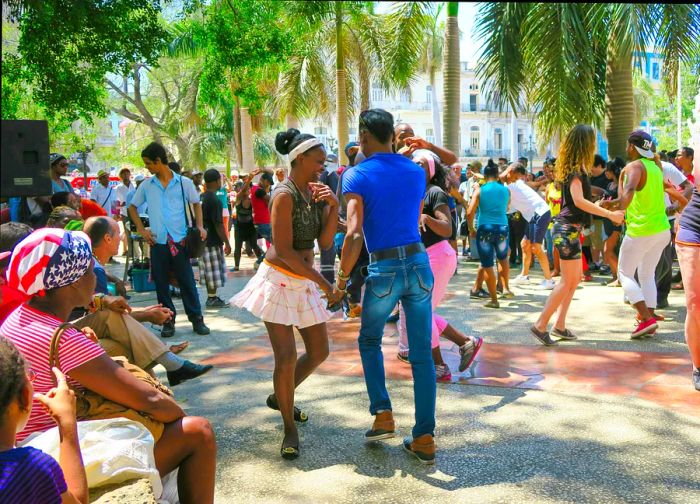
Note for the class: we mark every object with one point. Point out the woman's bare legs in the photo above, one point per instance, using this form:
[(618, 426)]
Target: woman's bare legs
[(316, 344), (284, 348), (503, 273), (491, 283), (189, 444), (561, 295), (609, 252)]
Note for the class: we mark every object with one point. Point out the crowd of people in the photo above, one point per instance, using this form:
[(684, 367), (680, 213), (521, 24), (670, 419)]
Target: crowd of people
[(66, 321)]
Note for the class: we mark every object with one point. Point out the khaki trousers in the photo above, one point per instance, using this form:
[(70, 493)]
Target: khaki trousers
[(123, 335)]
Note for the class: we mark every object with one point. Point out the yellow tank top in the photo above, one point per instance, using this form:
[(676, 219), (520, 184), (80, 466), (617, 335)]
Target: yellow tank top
[(646, 214)]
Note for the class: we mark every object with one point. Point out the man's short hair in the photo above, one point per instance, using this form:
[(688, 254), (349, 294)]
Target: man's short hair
[(11, 233), (522, 158), (379, 123), (154, 151), (598, 160), (60, 199), (519, 169), (688, 152), (97, 228), (267, 176), (60, 213), (125, 169), (175, 167), (212, 175)]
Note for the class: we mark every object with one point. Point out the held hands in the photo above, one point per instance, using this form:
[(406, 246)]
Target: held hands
[(59, 402), (321, 192), (116, 304), (158, 314), (334, 296), (617, 217)]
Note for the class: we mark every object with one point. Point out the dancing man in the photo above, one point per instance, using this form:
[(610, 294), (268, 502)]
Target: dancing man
[(388, 217)]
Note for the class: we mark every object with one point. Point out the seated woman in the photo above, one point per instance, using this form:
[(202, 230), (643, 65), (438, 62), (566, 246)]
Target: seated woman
[(27, 474), (55, 268)]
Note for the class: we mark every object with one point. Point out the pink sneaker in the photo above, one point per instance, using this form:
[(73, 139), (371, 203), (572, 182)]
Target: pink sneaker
[(645, 328), (442, 373)]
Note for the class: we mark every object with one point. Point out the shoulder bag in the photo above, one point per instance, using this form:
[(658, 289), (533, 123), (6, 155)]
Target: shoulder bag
[(194, 245), (92, 406)]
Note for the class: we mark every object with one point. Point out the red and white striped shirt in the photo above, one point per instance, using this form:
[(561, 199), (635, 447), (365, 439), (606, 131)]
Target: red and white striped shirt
[(31, 332)]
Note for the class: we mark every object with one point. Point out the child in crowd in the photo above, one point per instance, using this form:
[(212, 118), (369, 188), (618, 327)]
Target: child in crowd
[(28, 475)]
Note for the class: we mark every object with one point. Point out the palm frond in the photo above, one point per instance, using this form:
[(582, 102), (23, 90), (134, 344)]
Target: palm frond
[(501, 65)]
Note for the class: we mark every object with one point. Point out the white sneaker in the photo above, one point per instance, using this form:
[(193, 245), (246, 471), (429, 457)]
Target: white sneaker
[(521, 279), (548, 284)]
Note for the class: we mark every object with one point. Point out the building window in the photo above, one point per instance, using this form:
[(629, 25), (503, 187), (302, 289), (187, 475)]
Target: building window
[(429, 94), (474, 138), (497, 139), (320, 130), (377, 93), (429, 135), (405, 96), (472, 103), (655, 71)]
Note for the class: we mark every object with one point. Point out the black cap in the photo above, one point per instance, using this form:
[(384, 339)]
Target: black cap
[(643, 142)]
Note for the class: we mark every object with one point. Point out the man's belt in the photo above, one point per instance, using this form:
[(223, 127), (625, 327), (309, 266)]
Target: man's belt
[(401, 252)]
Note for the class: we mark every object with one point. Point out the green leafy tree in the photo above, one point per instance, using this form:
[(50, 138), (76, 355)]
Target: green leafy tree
[(572, 63)]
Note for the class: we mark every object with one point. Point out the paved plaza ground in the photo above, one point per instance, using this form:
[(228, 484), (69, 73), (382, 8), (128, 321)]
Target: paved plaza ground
[(601, 419)]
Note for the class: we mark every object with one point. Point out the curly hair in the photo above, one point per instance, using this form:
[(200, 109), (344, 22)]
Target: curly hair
[(576, 153), (12, 375)]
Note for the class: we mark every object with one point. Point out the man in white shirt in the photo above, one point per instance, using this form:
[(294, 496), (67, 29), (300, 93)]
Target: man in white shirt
[(536, 212), (105, 195), (124, 190), (466, 189)]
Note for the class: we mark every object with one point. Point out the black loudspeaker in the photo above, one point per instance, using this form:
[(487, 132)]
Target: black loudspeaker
[(25, 159)]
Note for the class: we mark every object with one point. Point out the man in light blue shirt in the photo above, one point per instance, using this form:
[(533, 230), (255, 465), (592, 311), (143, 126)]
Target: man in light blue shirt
[(166, 193)]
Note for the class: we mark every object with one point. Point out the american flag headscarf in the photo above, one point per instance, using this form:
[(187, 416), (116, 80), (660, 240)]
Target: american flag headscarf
[(47, 259)]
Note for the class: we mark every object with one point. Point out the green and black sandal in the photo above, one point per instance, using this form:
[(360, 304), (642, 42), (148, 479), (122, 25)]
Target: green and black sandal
[(289, 452), (299, 415)]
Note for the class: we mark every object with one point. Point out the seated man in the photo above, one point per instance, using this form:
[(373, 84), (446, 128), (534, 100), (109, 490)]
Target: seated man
[(118, 332), (54, 268), (62, 215)]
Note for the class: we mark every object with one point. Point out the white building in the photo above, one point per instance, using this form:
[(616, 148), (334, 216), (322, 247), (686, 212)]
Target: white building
[(484, 131)]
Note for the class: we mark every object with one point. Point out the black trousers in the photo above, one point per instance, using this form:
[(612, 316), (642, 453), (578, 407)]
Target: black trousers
[(516, 228), (162, 264), (664, 271)]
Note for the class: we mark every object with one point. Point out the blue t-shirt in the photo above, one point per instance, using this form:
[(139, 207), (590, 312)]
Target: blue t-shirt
[(493, 203), (392, 188), (30, 476), (101, 274)]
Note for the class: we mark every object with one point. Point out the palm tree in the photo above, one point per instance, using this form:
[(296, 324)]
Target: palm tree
[(363, 46), (573, 62), (451, 75), (431, 62)]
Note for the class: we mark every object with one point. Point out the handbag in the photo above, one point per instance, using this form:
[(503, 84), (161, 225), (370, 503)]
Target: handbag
[(194, 245), (93, 406)]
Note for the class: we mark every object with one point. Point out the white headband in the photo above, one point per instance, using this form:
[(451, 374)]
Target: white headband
[(303, 147)]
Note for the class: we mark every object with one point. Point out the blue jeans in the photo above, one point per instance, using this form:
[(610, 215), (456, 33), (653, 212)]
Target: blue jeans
[(162, 263), (409, 280), (492, 239), (265, 231)]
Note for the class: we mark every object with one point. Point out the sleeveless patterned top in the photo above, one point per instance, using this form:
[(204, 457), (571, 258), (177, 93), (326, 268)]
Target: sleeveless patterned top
[(306, 217)]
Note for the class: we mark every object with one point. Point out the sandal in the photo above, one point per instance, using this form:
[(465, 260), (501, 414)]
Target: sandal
[(565, 334), (289, 452), (299, 416), (180, 347)]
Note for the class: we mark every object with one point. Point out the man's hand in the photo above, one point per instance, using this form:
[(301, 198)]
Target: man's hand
[(148, 236), (90, 334), (59, 402), (418, 143), (157, 314), (423, 222), (617, 217), (203, 233), (120, 288), (227, 248), (116, 304), (321, 192)]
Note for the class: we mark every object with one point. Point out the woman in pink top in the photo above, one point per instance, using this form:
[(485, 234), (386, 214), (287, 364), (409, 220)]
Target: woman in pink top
[(55, 268)]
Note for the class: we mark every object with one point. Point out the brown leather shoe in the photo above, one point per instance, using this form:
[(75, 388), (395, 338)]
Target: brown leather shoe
[(422, 447), (383, 427)]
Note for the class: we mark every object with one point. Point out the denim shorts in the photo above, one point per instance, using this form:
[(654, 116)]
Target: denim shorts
[(537, 227), (492, 239), (567, 240)]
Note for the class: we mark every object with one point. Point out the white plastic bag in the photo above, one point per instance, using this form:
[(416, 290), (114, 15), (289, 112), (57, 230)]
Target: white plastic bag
[(114, 451)]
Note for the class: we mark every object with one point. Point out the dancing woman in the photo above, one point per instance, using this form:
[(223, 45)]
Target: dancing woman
[(435, 229), (572, 171), (283, 292)]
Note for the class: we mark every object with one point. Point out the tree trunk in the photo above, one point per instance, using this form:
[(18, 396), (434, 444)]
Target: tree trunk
[(340, 89), (451, 79), (248, 164), (292, 122), (182, 152), (364, 91), (619, 102), (237, 132)]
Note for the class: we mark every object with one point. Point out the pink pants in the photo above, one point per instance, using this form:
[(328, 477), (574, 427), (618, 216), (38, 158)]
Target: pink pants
[(443, 261)]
